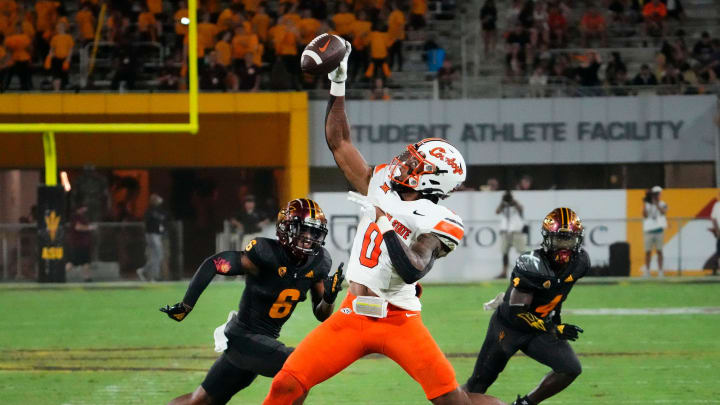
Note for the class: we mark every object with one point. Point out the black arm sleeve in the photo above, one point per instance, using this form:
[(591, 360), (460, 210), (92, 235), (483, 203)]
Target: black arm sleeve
[(400, 261), (224, 263)]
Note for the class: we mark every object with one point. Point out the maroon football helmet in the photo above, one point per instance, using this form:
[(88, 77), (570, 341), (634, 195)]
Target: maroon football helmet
[(301, 227), (562, 232)]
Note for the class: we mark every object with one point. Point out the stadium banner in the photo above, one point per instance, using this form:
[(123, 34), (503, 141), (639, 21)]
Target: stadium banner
[(532, 131), (51, 234), (479, 257)]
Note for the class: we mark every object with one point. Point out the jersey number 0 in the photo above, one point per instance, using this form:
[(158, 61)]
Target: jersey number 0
[(370, 251)]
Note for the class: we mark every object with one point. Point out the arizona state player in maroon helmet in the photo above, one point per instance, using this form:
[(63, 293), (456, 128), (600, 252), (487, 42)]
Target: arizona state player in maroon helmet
[(528, 319), (279, 274)]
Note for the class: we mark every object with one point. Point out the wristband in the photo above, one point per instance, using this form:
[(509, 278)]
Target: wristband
[(337, 89), (384, 224)]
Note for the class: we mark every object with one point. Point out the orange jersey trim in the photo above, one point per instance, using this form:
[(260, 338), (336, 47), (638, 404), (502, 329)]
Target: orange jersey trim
[(450, 229), (379, 167)]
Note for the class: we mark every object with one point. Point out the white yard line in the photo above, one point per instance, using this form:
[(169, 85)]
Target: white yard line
[(644, 311)]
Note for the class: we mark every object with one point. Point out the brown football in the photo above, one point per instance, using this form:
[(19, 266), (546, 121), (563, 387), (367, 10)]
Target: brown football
[(322, 55)]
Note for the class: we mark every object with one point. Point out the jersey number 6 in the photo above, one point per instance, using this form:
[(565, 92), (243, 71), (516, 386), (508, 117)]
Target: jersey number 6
[(284, 303), (370, 251)]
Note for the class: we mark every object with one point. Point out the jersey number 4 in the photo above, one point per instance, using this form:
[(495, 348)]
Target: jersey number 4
[(370, 251), (284, 303), (544, 310)]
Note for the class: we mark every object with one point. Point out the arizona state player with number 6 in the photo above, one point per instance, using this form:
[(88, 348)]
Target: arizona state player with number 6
[(278, 275), (401, 233), (528, 318)]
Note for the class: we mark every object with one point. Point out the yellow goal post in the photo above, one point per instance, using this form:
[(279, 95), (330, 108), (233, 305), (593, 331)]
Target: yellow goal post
[(49, 129)]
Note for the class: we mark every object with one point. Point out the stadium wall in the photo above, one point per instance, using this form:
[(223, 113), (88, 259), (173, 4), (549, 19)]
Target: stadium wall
[(236, 130), (609, 215), (599, 130)]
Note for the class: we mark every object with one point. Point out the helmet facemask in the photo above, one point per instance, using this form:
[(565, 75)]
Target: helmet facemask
[(305, 238), (407, 168), (561, 244)]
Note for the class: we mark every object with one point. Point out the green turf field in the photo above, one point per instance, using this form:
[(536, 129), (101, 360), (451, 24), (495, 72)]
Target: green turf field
[(108, 344)]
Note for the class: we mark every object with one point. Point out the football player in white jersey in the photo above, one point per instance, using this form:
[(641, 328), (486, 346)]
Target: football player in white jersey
[(402, 232)]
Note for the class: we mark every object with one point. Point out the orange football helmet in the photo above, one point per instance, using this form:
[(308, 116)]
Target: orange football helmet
[(562, 232), (301, 227)]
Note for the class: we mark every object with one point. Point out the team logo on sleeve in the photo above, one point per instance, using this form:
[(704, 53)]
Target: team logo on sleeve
[(385, 188), (516, 281), (222, 265), (281, 271), (250, 245), (547, 284)]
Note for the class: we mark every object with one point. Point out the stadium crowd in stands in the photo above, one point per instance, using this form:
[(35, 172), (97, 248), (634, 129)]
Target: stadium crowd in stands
[(554, 43), (242, 44)]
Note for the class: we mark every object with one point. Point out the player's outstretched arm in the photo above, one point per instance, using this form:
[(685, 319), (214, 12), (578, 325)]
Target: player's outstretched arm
[(337, 131), (228, 263), (324, 293)]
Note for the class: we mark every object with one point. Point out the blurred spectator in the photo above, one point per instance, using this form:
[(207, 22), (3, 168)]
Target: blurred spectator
[(446, 76), (645, 77), (125, 59), (148, 27), (61, 47), (654, 13), (614, 65), (525, 182), (586, 75), (92, 191), (619, 82), (361, 28), (676, 52), (675, 9), (703, 49), (206, 32), (47, 16), (261, 23), (690, 78), (491, 184), (243, 43), (541, 29), (181, 24), (511, 229), (593, 26), (396, 36), (169, 80), (79, 241), (672, 79), (85, 22), (249, 80), (418, 14), (379, 91), (309, 27), (515, 57), (512, 13), (223, 49), (557, 21), (286, 39), (378, 67), (617, 10), (214, 76), (249, 221), (155, 7), (654, 224), (343, 20), (20, 47), (488, 21), (538, 80), (155, 224)]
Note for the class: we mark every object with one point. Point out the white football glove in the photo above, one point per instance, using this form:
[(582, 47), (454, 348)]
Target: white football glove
[(367, 205), (339, 75)]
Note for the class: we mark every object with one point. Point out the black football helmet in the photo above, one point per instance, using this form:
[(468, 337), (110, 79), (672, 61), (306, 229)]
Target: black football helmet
[(301, 227)]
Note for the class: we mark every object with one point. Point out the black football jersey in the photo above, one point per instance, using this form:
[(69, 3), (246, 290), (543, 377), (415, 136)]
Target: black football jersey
[(533, 274), (270, 297)]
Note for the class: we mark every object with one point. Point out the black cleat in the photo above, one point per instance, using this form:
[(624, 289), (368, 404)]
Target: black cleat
[(523, 401)]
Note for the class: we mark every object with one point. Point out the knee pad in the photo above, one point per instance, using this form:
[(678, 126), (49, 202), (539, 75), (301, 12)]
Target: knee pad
[(285, 385)]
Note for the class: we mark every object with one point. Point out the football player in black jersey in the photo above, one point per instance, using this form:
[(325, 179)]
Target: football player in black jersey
[(528, 318), (278, 275)]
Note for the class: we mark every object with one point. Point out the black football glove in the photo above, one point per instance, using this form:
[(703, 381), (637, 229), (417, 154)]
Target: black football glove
[(333, 285), (568, 331), (177, 312)]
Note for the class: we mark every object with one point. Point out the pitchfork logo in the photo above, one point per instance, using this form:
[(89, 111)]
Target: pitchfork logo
[(52, 222), (222, 265)]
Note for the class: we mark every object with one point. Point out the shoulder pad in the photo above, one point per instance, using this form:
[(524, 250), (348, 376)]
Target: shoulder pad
[(583, 264), (448, 227), (530, 272), (261, 251)]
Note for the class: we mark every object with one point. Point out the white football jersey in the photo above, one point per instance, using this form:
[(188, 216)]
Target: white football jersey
[(370, 262)]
